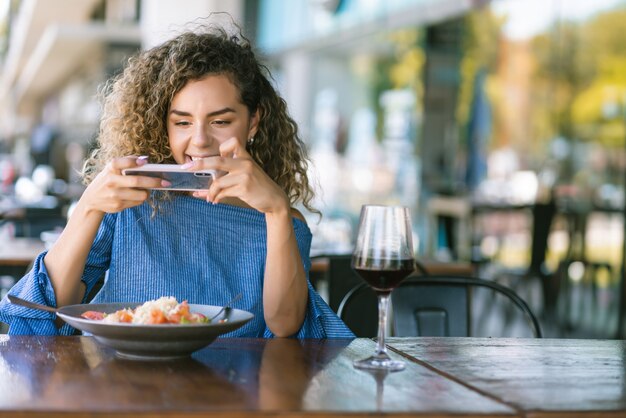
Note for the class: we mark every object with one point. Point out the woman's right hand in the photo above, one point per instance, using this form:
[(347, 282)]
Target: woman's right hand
[(111, 191)]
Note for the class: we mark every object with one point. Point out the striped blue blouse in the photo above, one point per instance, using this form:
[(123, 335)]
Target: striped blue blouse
[(196, 251)]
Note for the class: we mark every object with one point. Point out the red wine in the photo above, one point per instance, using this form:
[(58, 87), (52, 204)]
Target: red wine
[(383, 274)]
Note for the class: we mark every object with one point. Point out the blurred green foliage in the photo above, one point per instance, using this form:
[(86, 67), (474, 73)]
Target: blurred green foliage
[(583, 67)]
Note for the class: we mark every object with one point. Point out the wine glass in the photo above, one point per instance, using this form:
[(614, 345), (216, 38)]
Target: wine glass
[(383, 257)]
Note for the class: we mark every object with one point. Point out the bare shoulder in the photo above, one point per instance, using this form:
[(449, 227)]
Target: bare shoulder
[(296, 214)]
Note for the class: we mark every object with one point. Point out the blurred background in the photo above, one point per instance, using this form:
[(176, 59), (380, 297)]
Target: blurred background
[(501, 124)]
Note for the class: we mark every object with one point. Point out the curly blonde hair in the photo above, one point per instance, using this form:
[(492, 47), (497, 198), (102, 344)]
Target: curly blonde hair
[(136, 102)]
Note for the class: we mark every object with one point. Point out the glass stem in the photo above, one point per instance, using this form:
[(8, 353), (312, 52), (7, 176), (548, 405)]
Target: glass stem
[(383, 307)]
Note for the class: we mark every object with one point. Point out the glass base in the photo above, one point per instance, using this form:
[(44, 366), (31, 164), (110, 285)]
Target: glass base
[(379, 362)]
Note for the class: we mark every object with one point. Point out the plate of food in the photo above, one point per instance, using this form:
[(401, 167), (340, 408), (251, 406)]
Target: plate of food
[(159, 329)]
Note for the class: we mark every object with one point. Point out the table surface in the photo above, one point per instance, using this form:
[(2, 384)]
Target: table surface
[(20, 251), (541, 377), (77, 377)]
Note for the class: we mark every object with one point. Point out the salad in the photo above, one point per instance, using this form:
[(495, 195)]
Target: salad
[(165, 310)]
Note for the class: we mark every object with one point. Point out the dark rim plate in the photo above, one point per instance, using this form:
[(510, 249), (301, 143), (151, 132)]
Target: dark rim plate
[(154, 342)]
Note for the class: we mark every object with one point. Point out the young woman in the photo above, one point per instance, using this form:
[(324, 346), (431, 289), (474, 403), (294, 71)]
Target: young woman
[(201, 100)]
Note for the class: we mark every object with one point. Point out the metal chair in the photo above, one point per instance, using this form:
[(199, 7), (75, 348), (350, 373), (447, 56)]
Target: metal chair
[(427, 306)]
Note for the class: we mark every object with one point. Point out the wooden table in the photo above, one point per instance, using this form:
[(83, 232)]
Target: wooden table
[(536, 377), (20, 252), (445, 377)]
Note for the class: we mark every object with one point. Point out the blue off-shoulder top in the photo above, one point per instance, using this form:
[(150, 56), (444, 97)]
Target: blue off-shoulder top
[(193, 250)]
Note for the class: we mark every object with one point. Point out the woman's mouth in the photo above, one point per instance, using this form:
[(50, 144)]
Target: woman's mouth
[(189, 158)]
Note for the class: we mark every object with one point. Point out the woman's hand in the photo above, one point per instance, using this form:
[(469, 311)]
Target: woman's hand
[(244, 180), (111, 191), (285, 291)]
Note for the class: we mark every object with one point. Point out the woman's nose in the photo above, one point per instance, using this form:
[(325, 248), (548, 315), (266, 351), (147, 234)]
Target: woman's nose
[(201, 137)]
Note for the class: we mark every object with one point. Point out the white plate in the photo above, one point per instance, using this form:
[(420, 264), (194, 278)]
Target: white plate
[(153, 342)]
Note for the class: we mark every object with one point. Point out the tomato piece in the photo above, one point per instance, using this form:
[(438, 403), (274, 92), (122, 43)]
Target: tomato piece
[(175, 318), (93, 315), (180, 313), (124, 315), (183, 308), (157, 317)]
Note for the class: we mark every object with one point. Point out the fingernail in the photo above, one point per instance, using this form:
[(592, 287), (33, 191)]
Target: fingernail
[(142, 159), (165, 183), (187, 165)]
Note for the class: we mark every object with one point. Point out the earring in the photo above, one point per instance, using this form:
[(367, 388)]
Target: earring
[(251, 140)]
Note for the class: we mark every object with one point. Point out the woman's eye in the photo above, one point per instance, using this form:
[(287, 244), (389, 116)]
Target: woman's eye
[(221, 122), (182, 123)]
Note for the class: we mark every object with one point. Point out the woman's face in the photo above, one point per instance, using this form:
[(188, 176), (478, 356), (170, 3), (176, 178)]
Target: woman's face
[(205, 113)]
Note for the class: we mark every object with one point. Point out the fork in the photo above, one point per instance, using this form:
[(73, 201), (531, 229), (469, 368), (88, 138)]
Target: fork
[(226, 308)]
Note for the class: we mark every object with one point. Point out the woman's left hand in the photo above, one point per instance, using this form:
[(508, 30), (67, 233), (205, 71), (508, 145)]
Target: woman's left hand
[(285, 291), (244, 180)]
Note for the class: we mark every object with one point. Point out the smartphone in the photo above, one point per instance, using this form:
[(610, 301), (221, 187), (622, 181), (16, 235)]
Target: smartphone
[(181, 179)]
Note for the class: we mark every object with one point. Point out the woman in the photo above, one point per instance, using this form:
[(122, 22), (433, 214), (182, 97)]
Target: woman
[(200, 100)]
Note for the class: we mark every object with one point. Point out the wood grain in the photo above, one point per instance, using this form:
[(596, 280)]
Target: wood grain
[(542, 377), (77, 377)]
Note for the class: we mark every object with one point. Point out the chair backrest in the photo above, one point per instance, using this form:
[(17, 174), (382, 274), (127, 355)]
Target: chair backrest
[(426, 306), (359, 310), (340, 278), (431, 308)]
